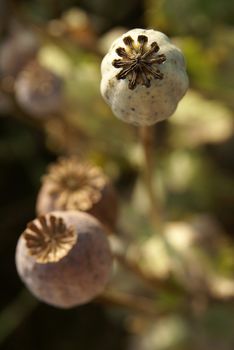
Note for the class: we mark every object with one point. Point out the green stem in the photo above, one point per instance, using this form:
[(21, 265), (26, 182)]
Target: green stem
[(147, 137), (12, 316)]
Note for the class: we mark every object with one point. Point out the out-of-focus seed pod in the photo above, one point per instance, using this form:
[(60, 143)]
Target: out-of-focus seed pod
[(79, 28), (38, 90), (143, 77), (74, 185), (64, 258), (16, 51)]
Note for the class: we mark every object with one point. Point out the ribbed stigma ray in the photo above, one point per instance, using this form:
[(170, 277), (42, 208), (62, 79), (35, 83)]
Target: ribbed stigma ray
[(49, 239), (138, 61)]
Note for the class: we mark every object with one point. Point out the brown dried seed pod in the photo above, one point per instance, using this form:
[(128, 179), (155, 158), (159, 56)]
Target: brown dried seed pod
[(16, 51), (64, 258), (38, 90), (73, 185)]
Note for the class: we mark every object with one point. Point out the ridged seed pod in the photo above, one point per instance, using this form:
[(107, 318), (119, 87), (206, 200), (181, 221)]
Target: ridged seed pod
[(143, 77), (74, 185), (64, 258)]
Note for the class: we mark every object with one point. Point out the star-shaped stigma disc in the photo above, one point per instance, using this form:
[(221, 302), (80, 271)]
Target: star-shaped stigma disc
[(49, 239), (139, 61)]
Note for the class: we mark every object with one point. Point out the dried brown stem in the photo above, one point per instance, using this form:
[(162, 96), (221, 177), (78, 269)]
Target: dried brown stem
[(132, 265), (132, 302), (169, 284), (136, 270)]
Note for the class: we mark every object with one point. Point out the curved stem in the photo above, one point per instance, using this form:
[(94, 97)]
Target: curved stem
[(146, 138), (130, 301), (132, 266), (16, 312)]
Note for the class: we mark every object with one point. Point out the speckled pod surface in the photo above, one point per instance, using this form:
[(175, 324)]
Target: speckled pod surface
[(144, 104), (79, 276)]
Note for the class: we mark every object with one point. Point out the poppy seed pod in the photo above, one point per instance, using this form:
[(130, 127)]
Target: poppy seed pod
[(64, 258), (74, 185), (38, 90), (143, 77), (16, 51)]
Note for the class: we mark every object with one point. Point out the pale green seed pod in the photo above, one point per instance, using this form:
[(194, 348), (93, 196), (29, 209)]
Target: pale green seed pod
[(143, 77)]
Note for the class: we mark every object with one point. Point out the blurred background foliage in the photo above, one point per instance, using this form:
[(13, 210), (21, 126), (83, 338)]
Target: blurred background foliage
[(66, 40)]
